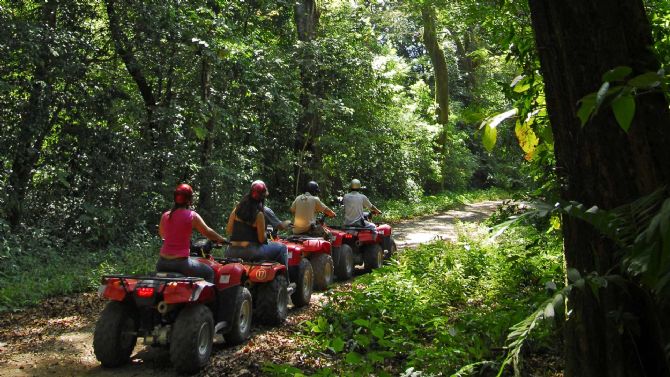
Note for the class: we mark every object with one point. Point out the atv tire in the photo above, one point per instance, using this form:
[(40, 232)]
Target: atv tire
[(390, 247), (343, 257), (192, 339), (373, 256), (240, 327), (272, 301), (304, 284), (115, 335), (323, 271)]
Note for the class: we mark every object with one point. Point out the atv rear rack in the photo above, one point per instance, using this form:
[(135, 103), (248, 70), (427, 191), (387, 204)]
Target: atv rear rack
[(188, 279)]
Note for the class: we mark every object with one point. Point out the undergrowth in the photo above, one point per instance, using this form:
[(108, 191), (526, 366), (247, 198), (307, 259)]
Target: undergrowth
[(438, 309)]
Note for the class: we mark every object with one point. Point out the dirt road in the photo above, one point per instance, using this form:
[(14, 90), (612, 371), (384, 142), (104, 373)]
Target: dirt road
[(56, 338)]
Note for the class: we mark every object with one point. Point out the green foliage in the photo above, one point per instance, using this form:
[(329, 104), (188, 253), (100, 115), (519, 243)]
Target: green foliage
[(34, 265), (621, 96), (439, 307)]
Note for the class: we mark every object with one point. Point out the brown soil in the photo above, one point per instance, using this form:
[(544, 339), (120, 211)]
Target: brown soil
[(55, 339)]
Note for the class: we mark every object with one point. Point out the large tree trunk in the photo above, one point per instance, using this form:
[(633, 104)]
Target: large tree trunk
[(439, 62), (35, 120), (306, 14), (599, 164)]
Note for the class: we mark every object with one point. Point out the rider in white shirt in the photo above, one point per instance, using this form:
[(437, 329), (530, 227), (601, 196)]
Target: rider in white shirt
[(354, 204)]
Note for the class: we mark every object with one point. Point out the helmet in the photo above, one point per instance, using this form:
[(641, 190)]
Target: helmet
[(313, 187), (259, 190), (355, 184), (183, 194)]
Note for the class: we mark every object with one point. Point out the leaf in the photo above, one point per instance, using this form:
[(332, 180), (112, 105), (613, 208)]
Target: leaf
[(646, 80), (617, 74), (516, 80), (489, 138), (602, 92), (200, 132), (378, 332), (362, 322), (624, 111), (549, 311), (375, 357), (353, 358), (573, 274), (528, 140), (521, 87), (586, 108), (337, 344), (489, 125)]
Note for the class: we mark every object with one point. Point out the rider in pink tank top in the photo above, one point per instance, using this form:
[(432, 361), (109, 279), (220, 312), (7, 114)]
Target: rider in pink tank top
[(178, 228)]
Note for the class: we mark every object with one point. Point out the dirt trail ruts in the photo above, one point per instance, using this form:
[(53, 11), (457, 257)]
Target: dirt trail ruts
[(56, 338)]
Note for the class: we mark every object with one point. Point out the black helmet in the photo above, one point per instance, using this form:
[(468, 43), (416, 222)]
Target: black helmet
[(313, 187)]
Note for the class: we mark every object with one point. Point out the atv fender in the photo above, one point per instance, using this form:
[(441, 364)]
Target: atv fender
[(228, 275), (316, 246), (294, 253), (183, 292), (116, 290), (265, 272), (384, 230)]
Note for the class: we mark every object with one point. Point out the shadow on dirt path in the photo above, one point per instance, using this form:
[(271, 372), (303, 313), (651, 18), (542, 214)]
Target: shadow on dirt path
[(56, 339)]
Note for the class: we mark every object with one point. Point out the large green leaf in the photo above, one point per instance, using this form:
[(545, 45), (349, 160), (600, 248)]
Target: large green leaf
[(646, 80), (624, 110), (617, 74), (586, 107)]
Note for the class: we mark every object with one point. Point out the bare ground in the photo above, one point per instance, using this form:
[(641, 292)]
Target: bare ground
[(55, 339)]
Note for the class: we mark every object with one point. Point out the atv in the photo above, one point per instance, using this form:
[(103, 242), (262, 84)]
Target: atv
[(303, 250), (365, 246), (184, 313)]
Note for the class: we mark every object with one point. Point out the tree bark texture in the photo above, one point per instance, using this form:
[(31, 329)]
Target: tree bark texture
[(306, 15), (35, 120), (439, 62), (599, 164)]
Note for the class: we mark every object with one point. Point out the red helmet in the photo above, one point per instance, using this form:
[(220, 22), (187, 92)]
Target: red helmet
[(183, 194), (259, 190)]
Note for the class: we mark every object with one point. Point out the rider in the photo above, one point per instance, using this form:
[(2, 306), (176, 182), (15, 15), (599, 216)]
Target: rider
[(175, 229), (305, 207), (354, 203), (246, 227)]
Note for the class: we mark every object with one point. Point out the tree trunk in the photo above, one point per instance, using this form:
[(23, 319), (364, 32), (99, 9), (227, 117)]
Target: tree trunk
[(436, 54), (35, 122), (599, 164), (306, 14), (466, 65)]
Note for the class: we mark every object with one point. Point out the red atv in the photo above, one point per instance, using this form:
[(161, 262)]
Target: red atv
[(360, 245), (303, 250), (184, 313)]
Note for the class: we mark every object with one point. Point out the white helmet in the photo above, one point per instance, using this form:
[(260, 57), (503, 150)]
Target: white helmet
[(355, 184)]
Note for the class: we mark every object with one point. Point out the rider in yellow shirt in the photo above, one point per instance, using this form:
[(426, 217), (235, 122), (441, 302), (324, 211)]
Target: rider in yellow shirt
[(305, 207)]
